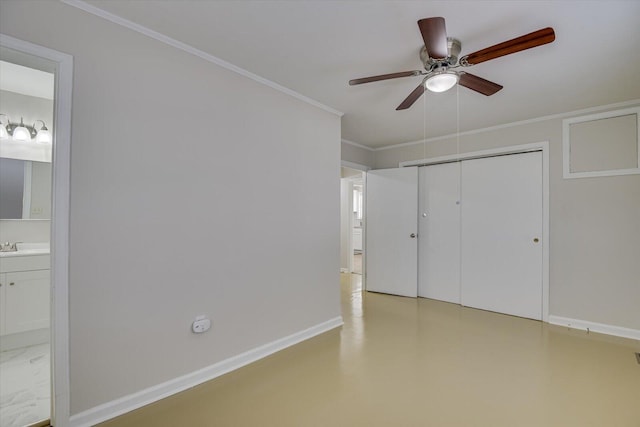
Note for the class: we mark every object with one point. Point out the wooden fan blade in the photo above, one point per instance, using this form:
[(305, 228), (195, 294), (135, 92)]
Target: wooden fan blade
[(434, 34), (478, 84), (413, 97), (537, 38), (384, 77)]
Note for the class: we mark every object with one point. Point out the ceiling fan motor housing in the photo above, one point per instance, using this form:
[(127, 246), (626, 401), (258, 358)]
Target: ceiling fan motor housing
[(453, 50)]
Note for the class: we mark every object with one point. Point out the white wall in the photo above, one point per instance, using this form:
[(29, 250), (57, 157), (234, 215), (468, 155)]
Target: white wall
[(194, 190), (594, 226)]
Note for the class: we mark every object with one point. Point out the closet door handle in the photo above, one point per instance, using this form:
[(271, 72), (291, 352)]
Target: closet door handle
[(412, 235)]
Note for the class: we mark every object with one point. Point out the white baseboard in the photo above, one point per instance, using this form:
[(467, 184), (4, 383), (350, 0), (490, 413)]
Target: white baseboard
[(144, 397), (602, 328)]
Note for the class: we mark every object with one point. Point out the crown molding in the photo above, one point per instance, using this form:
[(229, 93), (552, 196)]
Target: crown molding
[(512, 124), (356, 166), (96, 11), (355, 144)]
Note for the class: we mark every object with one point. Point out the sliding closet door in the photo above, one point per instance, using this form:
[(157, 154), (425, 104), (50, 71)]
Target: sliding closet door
[(501, 231), (439, 232)]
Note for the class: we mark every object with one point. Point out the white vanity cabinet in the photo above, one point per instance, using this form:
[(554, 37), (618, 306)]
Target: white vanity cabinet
[(24, 293)]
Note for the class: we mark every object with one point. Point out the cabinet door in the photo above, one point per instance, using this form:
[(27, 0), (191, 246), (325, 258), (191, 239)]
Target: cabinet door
[(27, 301)]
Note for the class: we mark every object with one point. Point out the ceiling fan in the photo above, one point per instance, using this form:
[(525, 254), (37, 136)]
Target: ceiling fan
[(440, 58)]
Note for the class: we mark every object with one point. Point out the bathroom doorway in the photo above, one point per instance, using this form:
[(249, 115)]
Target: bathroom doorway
[(26, 103), (35, 108)]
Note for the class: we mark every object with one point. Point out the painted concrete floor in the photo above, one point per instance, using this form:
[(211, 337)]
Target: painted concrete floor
[(416, 362)]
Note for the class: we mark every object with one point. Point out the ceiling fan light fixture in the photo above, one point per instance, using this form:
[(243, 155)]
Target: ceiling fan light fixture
[(441, 82)]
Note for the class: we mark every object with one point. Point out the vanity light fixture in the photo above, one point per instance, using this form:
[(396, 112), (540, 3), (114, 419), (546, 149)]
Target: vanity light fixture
[(25, 133)]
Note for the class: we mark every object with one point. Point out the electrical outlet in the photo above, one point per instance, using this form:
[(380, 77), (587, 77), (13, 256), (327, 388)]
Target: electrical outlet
[(201, 324)]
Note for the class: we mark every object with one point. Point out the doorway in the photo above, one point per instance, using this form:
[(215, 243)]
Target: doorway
[(26, 103), (352, 218), (35, 263)]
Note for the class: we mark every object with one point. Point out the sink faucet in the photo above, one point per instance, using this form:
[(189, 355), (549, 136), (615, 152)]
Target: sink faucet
[(9, 247)]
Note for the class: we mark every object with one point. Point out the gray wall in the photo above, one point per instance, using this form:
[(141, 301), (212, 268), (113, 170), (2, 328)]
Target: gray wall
[(594, 226), (194, 190)]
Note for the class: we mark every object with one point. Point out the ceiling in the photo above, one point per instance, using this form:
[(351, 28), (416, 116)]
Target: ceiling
[(316, 47)]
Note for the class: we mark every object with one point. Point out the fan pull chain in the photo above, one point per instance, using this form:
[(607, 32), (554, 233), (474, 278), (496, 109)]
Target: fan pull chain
[(424, 128)]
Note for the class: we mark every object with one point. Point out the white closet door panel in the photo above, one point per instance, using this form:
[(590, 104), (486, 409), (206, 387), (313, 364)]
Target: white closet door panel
[(439, 232), (392, 254), (501, 220)]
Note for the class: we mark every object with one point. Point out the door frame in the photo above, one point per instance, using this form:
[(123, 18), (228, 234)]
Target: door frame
[(61, 167), (500, 151)]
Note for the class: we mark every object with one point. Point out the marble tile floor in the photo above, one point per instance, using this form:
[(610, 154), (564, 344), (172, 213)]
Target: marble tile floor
[(25, 392)]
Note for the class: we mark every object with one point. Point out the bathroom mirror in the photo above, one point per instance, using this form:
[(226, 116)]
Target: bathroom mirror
[(25, 189)]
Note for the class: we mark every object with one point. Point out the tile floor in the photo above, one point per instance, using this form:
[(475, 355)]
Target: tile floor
[(24, 386), (417, 362)]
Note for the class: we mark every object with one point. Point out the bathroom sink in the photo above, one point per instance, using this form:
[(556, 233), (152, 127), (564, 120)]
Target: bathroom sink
[(26, 249)]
